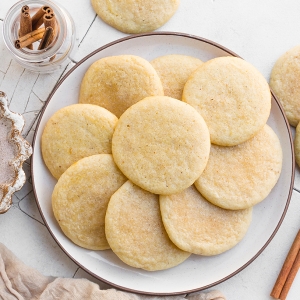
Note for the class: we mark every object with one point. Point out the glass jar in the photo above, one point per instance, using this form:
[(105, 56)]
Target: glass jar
[(50, 58)]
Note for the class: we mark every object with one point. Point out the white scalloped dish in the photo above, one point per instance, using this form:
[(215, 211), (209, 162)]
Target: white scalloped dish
[(14, 150)]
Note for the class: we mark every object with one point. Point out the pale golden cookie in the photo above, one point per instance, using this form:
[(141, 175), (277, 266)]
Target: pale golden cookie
[(241, 176), (135, 16), (74, 132), (297, 145), (135, 231), (233, 98), (80, 198), (285, 83), (117, 82), (174, 71), (197, 226), (161, 144)]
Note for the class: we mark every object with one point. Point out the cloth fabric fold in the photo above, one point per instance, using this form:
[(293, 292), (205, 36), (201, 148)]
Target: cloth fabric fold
[(21, 282)]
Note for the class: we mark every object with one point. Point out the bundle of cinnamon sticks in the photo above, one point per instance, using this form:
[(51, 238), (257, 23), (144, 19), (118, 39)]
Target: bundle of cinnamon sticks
[(288, 272), (31, 31)]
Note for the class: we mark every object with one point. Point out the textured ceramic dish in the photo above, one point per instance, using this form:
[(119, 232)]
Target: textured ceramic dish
[(197, 272), (14, 150)]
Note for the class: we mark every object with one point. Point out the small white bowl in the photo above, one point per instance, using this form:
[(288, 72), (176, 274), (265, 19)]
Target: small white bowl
[(14, 150)]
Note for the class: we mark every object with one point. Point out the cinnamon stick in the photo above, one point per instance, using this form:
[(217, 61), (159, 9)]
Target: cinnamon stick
[(50, 21), (37, 18), (290, 278), (286, 268), (25, 8), (29, 41), (31, 34), (25, 23), (47, 38)]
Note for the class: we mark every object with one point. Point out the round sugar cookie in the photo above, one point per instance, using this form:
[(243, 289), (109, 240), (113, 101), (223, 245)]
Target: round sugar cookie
[(135, 231), (233, 98), (117, 82), (174, 71), (285, 83), (241, 176), (74, 132), (197, 226), (161, 144), (135, 16), (297, 145), (80, 198)]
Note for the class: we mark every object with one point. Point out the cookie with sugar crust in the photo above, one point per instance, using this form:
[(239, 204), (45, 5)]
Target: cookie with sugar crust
[(241, 176), (74, 132), (232, 96), (174, 71), (80, 198), (117, 82), (135, 16), (284, 81), (161, 144), (135, 231), (197, 226)]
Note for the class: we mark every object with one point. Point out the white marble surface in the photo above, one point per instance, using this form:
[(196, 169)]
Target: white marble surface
[(259, 31)]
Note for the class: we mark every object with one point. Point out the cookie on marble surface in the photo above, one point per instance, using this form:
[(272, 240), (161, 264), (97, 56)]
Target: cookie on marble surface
[(135, 16), (81, 196), (197, 226), (161, 144), (135, 231), (117, 82), (285, 83), (233, 98), (241, 176), (74, 132), (174, 71)]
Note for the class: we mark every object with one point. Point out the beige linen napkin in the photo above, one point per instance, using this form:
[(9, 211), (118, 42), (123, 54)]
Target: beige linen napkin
[(20, 282)]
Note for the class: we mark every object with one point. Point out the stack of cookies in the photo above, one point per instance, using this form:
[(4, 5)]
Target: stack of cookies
[(163, 159)]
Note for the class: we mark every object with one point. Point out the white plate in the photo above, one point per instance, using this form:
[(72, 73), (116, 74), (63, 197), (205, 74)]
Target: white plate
[(197, 272)]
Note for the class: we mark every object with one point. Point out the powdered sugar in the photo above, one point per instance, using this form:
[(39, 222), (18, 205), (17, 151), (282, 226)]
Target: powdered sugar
[(14, 150), (7, 152)]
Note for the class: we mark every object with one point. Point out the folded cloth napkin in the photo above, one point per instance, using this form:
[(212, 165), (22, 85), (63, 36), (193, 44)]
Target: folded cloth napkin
[(20, 282)]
